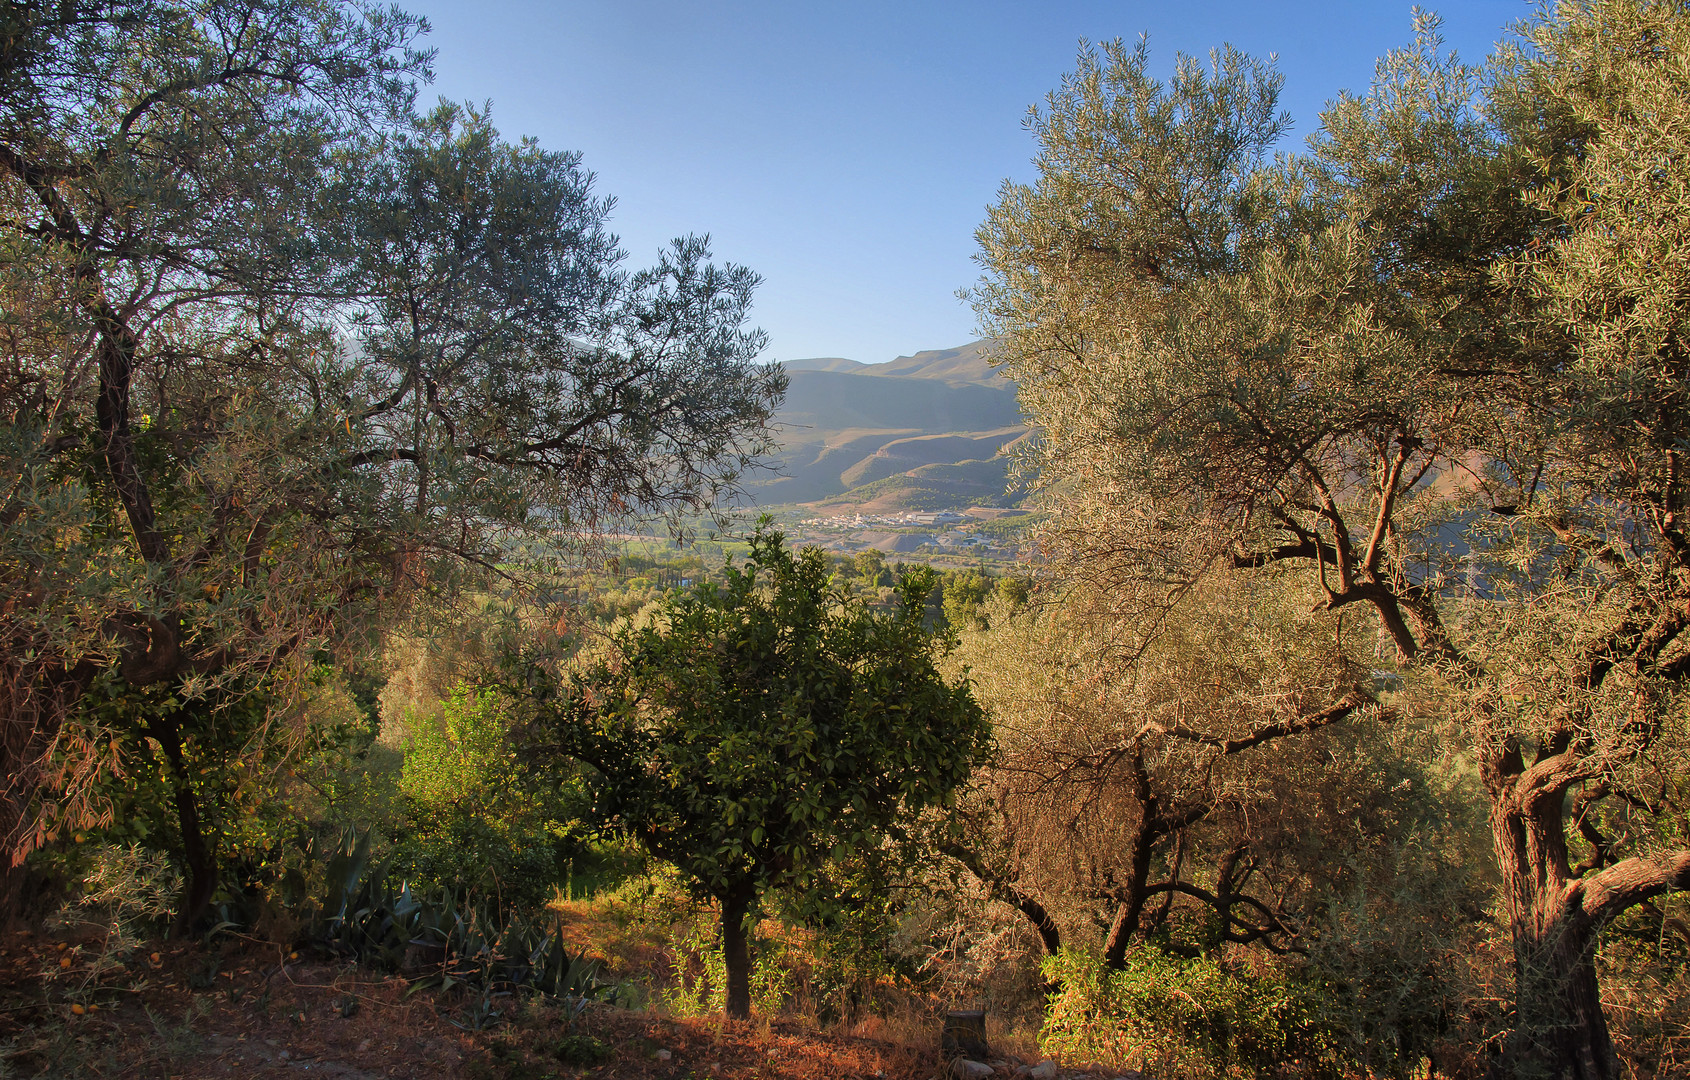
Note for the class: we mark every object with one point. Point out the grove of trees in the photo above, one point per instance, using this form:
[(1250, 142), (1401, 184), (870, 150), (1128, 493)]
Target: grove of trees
[(1339, 724)]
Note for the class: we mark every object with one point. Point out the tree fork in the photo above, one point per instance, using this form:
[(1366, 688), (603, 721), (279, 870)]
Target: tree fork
[(117, 367)]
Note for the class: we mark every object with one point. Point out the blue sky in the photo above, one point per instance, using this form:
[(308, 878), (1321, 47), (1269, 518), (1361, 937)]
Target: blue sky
[(846, 151)]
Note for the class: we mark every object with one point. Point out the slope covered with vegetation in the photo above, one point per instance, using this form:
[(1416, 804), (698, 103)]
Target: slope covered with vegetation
[(1335, 727)]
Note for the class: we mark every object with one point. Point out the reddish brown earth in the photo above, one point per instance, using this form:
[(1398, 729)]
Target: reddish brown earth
[(254, 1010)]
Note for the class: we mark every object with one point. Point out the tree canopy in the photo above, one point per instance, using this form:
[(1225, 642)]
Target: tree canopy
[(1433, 365), (280, 350), (756, 729)]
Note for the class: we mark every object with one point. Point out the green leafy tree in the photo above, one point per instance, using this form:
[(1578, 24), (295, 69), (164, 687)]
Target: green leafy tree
[(964, 593), (758, 728), (871, 569), (1434, 367)]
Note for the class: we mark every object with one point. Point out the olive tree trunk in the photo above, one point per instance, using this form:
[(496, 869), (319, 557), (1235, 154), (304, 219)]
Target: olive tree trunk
[(1557, 914), (198, 856)]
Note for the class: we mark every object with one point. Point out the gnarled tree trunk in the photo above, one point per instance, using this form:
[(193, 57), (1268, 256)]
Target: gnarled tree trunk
[(1557, 913), (1560, 1029)]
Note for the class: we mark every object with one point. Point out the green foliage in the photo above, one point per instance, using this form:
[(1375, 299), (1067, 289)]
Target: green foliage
[(754, 729), (963, 594), (966, 593), (131, 889), (759, 726), (446, 940), (324, 775), (1010, 530), (1185, 1017), (225, 750), (849, 955), (129, 894), (698, 968), (580, 1051), (467, 756), (1645, 966), (871, 569), (469, 823), (365, 916), (266, 781), (1393, 952)]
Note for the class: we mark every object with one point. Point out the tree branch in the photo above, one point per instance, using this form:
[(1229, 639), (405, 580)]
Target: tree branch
[(1002, 889), (1629, 882), (1352, 701)]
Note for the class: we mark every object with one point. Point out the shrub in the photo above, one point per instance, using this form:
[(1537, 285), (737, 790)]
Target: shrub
[(1645, 970), (1171, 1016), (700, 969), (581, 1051), (469, 823)]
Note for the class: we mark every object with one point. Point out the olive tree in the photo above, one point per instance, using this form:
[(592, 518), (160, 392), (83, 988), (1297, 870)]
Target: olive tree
[(1430, 364), (756, 729), (280, 352), (1124, 783), (1231, 788), (158, 164)]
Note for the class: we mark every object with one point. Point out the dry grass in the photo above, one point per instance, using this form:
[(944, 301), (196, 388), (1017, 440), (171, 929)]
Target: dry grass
[(631, 942)]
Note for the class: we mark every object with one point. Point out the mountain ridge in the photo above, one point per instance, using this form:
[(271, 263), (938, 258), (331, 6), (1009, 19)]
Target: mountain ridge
[(930, 426), (965, 363)]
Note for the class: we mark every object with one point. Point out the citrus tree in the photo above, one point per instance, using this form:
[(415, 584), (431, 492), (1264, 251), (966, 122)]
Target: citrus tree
[(756, 729)]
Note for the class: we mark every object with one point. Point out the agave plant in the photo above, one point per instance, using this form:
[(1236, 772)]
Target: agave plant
[(369, 918)]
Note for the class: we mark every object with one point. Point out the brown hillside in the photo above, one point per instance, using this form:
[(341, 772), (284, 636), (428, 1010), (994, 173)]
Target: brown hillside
[(845, 424), (967, 363), (903, 455)]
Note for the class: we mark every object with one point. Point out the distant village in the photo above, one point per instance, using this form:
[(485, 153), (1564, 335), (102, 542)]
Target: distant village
[(964, 531)]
